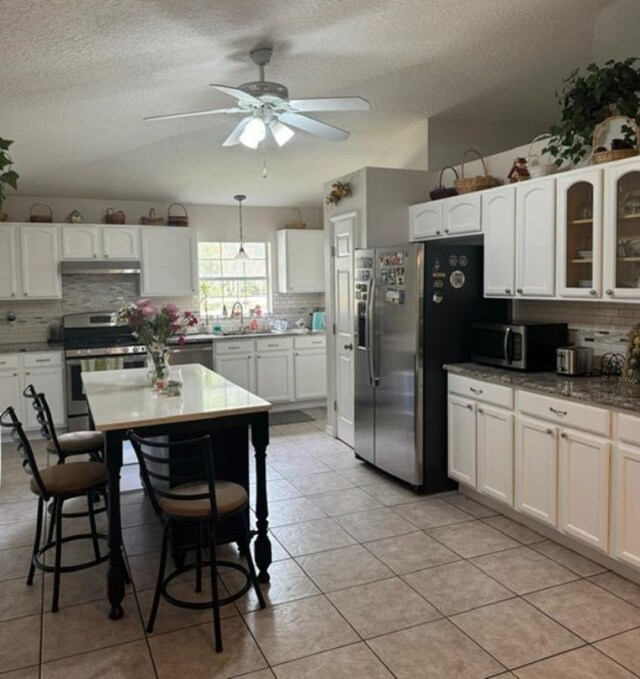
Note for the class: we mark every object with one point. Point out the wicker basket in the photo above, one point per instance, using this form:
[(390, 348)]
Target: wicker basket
[(477, 183), (177, 220), (151, 219), (113, 217), (617, 154), (443, 191), (41, 219), (536, 167), (298, 222)]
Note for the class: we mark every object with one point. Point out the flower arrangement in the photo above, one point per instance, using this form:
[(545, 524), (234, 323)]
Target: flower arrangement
[(154, 327)]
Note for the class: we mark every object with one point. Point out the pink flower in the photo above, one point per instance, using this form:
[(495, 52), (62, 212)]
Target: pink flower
[(142, 302), (149, 311), (181, 339)]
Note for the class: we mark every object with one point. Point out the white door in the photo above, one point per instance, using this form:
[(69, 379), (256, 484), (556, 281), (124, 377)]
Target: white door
[(237, 368), (11, 392), (48, 381), (274, 376), (310, 373), (495, 453), (499, 228), (626, 504), (168, 261), (120, 242), (461, 422), (343, 233), (536, 238), (536, 469), (8, 263), (583, 488), (80, 242), (462, 214), (40, 262), (425, 220)]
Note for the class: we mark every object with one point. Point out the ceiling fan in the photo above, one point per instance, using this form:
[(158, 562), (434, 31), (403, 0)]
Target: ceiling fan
[(267, 107)]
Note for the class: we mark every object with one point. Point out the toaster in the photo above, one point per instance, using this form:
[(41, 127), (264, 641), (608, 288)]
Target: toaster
[(574, 360)]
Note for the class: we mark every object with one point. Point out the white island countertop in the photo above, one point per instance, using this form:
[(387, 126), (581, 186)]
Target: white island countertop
[(119, 399)]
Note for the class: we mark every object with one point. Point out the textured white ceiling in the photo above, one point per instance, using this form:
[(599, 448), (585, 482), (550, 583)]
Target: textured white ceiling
[(78, 76)]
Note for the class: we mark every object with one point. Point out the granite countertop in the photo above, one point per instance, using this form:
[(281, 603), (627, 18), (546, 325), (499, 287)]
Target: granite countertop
[(16, 347), (197, 338), (603, 391)]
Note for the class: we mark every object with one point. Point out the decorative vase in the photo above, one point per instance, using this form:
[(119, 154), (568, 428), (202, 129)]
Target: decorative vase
[(631, 370), (158, 362)]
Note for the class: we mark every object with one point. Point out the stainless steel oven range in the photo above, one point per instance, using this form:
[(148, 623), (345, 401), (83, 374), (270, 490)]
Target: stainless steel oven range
[(94, 341)]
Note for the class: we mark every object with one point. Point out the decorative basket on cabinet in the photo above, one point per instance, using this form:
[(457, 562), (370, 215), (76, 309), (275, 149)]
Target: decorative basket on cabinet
[(151, 219), (113, 217), (177, 220), (298, 222), (614, 154), (40, 218), (441, 191), (477, 183), (534, 160)]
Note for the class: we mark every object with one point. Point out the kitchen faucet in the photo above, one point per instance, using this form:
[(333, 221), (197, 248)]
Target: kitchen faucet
[(233, 313)]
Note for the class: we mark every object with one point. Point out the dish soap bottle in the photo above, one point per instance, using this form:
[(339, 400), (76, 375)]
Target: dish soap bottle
[(225, 313)]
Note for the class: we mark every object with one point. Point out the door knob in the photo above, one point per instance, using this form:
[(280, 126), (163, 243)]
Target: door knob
[(348, 347)]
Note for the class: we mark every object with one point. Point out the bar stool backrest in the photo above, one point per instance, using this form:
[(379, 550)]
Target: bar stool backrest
[(43, 415), (160, 468), (9, 420)]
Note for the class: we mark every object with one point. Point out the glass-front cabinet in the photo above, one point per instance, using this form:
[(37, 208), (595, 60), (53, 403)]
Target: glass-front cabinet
[(622, 231), (579, 222)]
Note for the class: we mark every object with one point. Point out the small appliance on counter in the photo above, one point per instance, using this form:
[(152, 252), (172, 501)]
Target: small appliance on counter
[(523, 345), (574, 360), (318, 321)]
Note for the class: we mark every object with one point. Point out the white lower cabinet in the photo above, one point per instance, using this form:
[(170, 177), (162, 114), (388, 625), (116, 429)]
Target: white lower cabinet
[(310, 374), (274, 376), (626, 504), (536, 469), (49, 382), (495, 452), (11, 391), (237, 368), (583, 487), (462, 440)]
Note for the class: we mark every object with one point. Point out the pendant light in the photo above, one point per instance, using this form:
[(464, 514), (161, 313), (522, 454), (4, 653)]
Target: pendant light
[(241, 252)]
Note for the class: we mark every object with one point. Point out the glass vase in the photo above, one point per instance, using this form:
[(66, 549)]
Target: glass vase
[(158, 362)]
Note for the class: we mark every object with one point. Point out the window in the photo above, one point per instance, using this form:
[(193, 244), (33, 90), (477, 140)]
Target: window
[(225, 279)]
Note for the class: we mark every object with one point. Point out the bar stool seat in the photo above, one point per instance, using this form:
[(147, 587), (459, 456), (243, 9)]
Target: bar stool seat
[(77, 442), (230, 497), (73, 478)]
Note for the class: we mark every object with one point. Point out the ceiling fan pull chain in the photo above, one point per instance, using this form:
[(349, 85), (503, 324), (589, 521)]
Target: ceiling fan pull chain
[(264, 158)]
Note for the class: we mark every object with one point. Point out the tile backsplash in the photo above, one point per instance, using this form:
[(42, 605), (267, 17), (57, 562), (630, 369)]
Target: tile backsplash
[(83, 292)]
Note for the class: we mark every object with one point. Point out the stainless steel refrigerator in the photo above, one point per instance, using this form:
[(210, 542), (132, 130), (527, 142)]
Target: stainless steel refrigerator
[(414, 306)]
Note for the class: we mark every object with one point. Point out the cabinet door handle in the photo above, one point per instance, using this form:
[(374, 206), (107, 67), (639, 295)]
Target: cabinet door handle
[(507, 291), (550, 432), (593, 293), (609, 292), (438, 233), (469, 406), (480, 411), (564, 436), (95, 256), (476, 391), (106, 255), (555, 411), (446, 230), (348, 347), (248, 358), (26, 294), (13, 294), (519, 291), (27, 373), (297, 353), (15, 374)]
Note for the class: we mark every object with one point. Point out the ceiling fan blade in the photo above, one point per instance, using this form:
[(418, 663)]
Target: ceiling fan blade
[(240, 95), (193, 114), (330, 104), (314, 126), (234, 137)]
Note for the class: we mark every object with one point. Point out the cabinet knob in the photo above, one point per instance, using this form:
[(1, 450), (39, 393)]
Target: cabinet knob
[(550, 432), (438, 233), (476, 391), (26, 294), (609, 292), (95, 256), (297, 353), (446, 230), (507, 291), (480, 411), (519, 291), (13, 294), (106, 256), (27, 373), (469, 406), (15, 374), (564, 436), (348, 347), (593, 293)]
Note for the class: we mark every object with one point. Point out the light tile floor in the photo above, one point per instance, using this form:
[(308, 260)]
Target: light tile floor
[(368, 581)]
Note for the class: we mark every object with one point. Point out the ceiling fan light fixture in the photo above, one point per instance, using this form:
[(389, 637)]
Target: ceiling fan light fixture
[(253, 133), (281, 133)]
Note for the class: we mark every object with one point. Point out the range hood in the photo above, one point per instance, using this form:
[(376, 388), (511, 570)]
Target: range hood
[(92, 266)]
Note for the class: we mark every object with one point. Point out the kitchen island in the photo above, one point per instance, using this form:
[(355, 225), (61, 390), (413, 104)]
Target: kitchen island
[(120, 400)]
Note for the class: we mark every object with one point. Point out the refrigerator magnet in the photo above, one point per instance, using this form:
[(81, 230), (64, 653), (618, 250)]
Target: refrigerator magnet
[(400, 258), (438, 284), (383, 277), (392, 296), (463, 261), (438, 296), (392, 275), (457, 279), (453, 260), (400, 276)]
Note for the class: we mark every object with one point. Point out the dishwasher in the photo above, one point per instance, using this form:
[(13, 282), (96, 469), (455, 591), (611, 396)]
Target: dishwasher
[(195, 352)]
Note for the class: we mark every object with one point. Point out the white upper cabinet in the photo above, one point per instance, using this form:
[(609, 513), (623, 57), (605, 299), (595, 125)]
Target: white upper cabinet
[(85, 242), (499, 227), (622, 231), (80, 242), (535, 238), (39, 257), (579, 234), (462, 214), (169, 264), (425, 220), (300, 260), (8, 262)]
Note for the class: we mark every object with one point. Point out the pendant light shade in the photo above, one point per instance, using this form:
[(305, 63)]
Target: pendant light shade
[(241, 252)]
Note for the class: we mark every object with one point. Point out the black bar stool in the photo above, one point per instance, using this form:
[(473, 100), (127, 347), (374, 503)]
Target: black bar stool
[(206, 503), (58, 483)]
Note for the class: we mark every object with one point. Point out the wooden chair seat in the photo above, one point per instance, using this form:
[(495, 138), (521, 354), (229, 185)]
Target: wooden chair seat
[(78, 442), (229, 498), (71, 478)]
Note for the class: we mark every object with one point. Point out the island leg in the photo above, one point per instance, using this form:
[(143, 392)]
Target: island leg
[(260, 440), (117, 572)]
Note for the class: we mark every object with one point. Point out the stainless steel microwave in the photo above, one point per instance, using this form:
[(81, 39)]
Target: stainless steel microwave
[(520, 346)]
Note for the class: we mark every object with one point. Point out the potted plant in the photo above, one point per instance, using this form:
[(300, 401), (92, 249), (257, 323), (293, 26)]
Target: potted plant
[(587, 99), (8, 177)]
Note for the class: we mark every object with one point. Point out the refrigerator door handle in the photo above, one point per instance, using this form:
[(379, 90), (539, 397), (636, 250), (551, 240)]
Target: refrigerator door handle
[(371, 336)]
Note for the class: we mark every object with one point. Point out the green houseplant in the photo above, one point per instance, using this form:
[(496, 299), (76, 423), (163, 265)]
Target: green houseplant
[(587, 99), (8, 177)]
